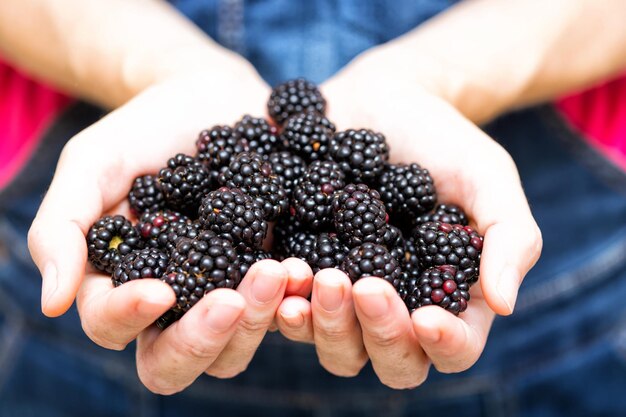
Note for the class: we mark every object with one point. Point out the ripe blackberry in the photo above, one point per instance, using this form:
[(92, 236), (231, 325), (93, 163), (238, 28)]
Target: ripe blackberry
[(144, 263), (294, 96), (320, 251), (407, 190), (283, 229), (216, 147), (184, 181), (145, 195), (372, 260), (393, 240), (361, 154), (109, 240), (444, 213), (313, 194), (155, 227), (444, 286), (410, 260), (257, 135), (309, 135), (253, 176), (359, 216), (288, 167), (247, 259), (446, 244), (235, 216)]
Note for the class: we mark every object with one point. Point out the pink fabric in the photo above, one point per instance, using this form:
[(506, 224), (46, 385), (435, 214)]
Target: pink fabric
[(26, 110), (600, 115)]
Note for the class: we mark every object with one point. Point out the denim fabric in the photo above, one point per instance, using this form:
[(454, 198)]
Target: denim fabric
[(563, 352)]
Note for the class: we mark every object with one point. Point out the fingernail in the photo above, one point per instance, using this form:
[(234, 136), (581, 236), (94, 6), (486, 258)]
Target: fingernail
[(508, 286), (330, 297), (50, 283), (222, 317), (295, 321), (373, 305), (265, 288)]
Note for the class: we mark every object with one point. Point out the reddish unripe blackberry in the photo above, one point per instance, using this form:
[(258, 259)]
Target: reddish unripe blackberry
[(407, 190), (145, 195), (359, 215), (109, 240), (184, 182), (254, 176), (216, 147), (361, 154), (247, 259), (144, 263), (446, 244), (444, 286), (295, 96), (154, 228), (255, 134), (312, 197), (320, 251), (288, 167), (235, 216), (309, 135), (444, 213), (372, 260)]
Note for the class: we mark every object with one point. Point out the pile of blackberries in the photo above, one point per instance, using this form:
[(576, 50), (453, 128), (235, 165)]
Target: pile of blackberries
[(336, 201)]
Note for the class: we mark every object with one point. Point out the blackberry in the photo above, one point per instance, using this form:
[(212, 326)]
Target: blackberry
[(294, 96), (184, 181), (309, 135), (445, 244), (313, 194), (283, 229), (145, 195), (155, 227), (256, 135), (372, 260), (253, 176), (320, 251), (145, 263), (234, 216), (407, 190), (288, 167), (359, 216), (109, 240), (247, 259), (410, 260), (216, 147), (360, 153), (444, 286), (444, 213), (393, 240)]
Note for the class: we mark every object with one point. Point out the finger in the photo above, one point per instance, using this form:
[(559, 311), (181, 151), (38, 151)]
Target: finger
[(294, 320), (453, 343), (300, 277), (263, 289), (388, 334), (169, 361), (113, 317), (336, 330)]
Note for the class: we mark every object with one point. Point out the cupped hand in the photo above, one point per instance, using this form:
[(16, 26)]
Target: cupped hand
[(351, 324)]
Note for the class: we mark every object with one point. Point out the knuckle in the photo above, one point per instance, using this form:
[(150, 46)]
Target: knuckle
[(342, 368), (226, 372), (410, 381), (332, 333), (250, 325), (195, 349), (385, 337), (101, 339), (156, 385)]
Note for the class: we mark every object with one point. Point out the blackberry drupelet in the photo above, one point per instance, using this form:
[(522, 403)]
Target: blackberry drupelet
[(253, 176), (255, 134), (407, 190), (446, 244), (372, 260), (235, 216), (109, 240), (295, 96), (444, 213), (320, 251), (154, 228), (145, 195), (359, 215), (288, 167), (313, 195), (361, 154), (444, 286), (144, 263), (247, 259), (184, 182), (309, 135), (216, 147)]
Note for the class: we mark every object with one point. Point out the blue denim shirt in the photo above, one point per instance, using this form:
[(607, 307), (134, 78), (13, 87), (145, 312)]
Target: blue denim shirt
[(563, 352)]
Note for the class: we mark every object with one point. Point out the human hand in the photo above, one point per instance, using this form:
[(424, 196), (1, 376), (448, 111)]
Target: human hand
[(95, 171), (350, 324)]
